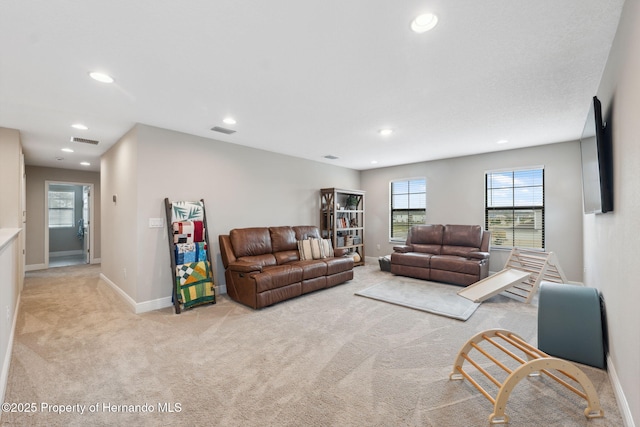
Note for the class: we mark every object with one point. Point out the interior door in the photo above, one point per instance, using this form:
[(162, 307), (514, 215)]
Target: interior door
[(86, 203)]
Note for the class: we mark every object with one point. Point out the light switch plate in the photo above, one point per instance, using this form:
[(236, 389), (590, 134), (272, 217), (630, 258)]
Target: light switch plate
[(156, 223)]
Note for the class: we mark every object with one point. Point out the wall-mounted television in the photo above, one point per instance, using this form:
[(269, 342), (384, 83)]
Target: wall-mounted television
[(597, 162)]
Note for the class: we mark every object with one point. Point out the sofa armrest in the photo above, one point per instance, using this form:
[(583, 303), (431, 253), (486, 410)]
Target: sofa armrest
[(245, 267), (403, 248), (478, 255)]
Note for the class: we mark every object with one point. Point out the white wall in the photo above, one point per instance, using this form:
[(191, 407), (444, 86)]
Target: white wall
[(455, 195), (611, 243), (119, 177), (241, 187)]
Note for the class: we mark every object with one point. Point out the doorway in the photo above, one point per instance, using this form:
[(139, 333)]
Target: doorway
[(68, 227)]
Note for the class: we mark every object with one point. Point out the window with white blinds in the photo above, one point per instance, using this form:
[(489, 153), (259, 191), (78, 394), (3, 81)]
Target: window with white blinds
[(408, 206), (61, 209), (514, 208)]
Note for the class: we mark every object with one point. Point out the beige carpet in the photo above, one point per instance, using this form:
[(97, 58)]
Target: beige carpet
[(325, 359)]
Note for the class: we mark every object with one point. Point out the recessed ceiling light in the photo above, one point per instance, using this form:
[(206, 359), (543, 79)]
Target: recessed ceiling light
[(229, 121), (85, 163), (79, 126), (424, 23), (385, 132), (67, 150), (502, 141), (101, 77), (374, 162)]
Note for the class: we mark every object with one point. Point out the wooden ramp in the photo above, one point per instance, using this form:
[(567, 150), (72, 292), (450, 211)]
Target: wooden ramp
[(520, 278)]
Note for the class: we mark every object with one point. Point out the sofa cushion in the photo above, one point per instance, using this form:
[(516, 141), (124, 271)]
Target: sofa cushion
[(285, 257), (306, 232), (312, 268), (283, 239), (250, 241), (339, 265), (263, 260), (277, 276)]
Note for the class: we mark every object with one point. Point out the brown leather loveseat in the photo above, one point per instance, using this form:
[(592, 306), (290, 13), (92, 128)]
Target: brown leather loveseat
[(263, 265), (456, 254)]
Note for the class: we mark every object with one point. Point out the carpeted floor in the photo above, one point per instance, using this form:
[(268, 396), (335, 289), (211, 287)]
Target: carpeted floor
[(325, 359)]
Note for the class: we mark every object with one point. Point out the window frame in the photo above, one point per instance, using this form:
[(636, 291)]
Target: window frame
[(515, 208), (72, 209), (400, 239)]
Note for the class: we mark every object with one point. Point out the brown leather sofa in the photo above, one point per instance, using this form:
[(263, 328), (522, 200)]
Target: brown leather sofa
[(457, 254), (263, 266)]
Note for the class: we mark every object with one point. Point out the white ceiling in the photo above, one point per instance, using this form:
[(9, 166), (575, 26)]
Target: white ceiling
[(303, 78)]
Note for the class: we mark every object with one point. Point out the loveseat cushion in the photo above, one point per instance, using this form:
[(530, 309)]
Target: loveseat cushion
[(462, 235), (411, 259), (455, 264), (250, 241)]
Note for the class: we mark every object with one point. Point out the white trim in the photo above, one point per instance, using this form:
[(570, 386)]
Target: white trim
[(156, 304), (623, 405), (4, 375), (136, 307), (34, 267), (47, 183), (96, 261)]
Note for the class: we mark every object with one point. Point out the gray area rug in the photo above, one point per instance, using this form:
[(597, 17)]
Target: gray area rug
[(436, 298)]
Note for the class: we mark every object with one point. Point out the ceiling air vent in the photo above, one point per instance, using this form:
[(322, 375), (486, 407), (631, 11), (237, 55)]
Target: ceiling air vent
[(84, 140), (331, 157), (223, 130)]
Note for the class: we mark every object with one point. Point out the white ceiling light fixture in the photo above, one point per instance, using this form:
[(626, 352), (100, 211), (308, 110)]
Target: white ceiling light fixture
[(424, 23), (502, 141), (85, 163), (385, 132), (79, 126), (101, 77), (67, 150), (229, 120), (374, 162)]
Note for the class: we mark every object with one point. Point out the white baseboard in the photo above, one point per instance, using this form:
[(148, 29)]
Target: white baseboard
[(137, 307), (623, 405), (4, 375), (34, 267)]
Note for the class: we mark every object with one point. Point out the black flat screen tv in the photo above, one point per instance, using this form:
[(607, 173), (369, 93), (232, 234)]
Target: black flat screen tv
[(596, 152)]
